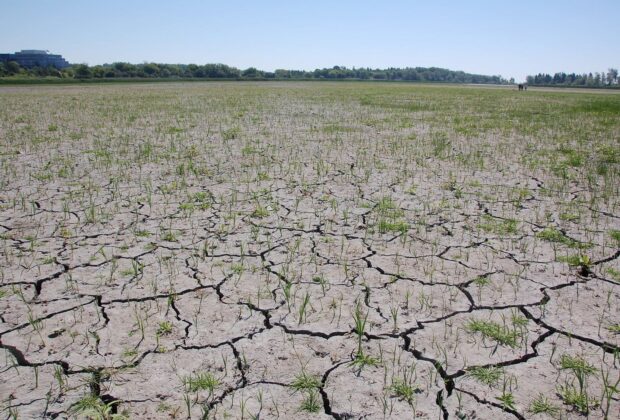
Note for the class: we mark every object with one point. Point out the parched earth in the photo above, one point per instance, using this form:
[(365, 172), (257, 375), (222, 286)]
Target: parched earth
[(309, 250)]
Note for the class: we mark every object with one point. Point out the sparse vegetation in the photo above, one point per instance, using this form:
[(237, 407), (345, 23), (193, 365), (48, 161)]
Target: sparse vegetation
[(253, 250)]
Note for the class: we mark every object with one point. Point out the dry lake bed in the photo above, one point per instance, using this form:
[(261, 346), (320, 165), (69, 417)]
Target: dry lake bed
[(309, 250)]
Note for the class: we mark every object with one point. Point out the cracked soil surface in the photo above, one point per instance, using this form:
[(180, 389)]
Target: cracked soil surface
[(308, 250)]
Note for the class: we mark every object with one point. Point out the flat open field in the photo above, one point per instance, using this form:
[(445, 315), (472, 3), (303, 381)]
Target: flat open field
[(309, 250)]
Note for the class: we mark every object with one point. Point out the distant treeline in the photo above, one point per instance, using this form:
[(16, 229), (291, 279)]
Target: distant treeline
[(222, 71), (603, 79)]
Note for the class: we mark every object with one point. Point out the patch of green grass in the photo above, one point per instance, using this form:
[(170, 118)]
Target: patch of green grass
[(386, 226), (615, 274), (174, 130), (92, 407), (486, 375), (551, 234), (237, 269), (541, 405), (129, 353), (260, 212), (187, 207), (387, 207), (606, 160), (571, 395), (572, 260), (262, 176), (362, 360), (491, 224), (507, 400), (597, 105), (248, 150), (577, 399), (390, 217), (164, 328), (305, 381), (582, 261), (518, 321), (169, 236), (311, 402), (577, 364), (162, 407), (231, 133), (49, 260), (502, 334), (404, 390), (201, 381), (441, 145), (615, 328), (572, 157), (201, 197), (569, 217), (481, 281)]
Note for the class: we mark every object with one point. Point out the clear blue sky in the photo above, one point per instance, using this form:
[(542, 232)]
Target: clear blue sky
[(511, 38)]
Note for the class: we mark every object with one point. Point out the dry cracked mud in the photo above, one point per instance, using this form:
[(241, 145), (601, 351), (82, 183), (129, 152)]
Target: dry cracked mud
[(308, 250)]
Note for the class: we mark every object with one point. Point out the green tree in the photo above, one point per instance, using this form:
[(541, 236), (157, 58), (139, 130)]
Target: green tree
[(98, 72), (612, 76), (12, 67), (151, 69), (82, 71), (252, 73)]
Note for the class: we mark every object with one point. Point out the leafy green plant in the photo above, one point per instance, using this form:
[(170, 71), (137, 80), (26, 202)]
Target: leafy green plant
[(361, 360), (404, 390), (541, 405), (311, 402), (582, 262), (507, 399)]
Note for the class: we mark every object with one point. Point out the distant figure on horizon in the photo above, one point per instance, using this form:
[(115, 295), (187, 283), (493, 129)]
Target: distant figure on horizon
[(522, 86)]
